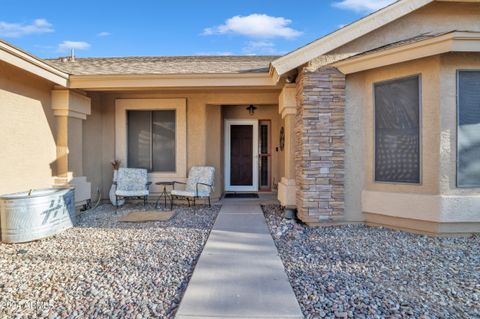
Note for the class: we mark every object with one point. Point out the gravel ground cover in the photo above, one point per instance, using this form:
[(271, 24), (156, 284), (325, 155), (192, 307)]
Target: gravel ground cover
[(357, 271), (105, 269)]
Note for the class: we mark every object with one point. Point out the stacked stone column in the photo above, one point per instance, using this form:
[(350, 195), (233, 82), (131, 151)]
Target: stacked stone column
[(320, 144)]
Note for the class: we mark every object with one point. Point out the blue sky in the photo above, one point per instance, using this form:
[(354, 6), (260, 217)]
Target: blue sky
[(175, 27)]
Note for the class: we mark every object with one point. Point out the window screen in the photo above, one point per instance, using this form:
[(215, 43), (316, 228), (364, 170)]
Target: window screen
[(397, 131), (468, 134), (151, 140)]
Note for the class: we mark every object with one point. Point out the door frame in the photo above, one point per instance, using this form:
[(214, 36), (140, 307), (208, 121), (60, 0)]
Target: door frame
[(227, 155)]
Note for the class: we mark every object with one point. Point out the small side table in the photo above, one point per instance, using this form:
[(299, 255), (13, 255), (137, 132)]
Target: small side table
[(164, 194)]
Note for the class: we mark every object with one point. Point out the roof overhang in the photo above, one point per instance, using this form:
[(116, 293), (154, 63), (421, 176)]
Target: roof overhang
[(32, 64), (451, 42), (347, 34), (133, 81)]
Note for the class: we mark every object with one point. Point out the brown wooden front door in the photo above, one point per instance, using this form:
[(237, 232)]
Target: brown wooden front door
[(241, 155)]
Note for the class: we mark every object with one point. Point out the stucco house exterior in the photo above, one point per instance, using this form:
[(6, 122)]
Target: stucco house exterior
[(378, 122)]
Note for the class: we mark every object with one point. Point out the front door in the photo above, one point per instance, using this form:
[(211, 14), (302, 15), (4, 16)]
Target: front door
[(241, 158)]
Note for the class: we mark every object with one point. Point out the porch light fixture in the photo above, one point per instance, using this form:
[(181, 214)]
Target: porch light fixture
[(251, 109)]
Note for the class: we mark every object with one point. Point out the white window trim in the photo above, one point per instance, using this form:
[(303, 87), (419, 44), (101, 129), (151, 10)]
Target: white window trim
[(121, 144)]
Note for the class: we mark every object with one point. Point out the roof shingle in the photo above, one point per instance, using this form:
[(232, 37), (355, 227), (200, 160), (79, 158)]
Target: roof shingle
[(164, 65)]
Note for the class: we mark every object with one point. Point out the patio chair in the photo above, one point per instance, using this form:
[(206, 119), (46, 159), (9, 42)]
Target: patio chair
[(131, 182), (199, 185)]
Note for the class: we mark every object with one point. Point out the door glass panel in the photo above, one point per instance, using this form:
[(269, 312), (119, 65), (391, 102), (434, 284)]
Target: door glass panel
[(241, 155), (265, 155)]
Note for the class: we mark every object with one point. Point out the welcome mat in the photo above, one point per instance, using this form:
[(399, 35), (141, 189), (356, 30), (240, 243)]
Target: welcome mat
[(147, 216), (241, 195)]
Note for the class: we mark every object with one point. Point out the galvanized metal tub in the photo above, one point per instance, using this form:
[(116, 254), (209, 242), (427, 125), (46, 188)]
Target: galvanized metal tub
[(37, 214)]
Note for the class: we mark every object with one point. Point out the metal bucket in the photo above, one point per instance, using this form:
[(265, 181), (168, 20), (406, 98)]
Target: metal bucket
[(36, 214)]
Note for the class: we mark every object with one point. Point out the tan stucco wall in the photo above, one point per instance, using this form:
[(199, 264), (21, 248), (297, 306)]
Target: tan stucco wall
[(359, 162), (429, 70), (27, 137), (94, 132), (359, 126), (450, 64), (355, 144), (263, 112), (204, 129), (434, 18), (436, 199)]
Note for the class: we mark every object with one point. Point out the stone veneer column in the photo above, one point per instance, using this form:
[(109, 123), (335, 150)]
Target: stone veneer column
[(320, 140), (70, 110)]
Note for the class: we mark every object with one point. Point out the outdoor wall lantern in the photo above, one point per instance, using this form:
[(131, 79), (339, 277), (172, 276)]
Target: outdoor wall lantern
[(251, 109)]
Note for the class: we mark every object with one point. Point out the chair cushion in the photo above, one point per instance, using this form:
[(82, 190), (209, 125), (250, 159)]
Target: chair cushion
[(132, 180), (200, 174), (185, 193), (131, 193)]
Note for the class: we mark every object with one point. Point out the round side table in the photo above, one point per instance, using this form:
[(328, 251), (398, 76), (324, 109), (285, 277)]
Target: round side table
[(164, 194)]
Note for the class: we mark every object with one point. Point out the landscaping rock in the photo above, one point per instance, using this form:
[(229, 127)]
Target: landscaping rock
[(103, 268), (355, 271)]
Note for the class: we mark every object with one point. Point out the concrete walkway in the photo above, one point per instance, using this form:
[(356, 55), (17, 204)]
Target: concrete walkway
[(239, 274)]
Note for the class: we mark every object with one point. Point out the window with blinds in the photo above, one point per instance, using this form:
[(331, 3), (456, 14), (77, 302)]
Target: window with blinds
[(397, 130), (468, 130), (151, 140)]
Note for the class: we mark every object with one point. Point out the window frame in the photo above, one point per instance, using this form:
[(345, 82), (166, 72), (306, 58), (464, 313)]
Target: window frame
[(420, 129), (457, 125), (121, 132)]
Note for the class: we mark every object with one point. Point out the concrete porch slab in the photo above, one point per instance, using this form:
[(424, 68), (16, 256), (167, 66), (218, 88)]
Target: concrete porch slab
[(239, 273)]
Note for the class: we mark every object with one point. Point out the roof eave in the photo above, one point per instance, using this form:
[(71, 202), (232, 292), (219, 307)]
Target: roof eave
[(452, 42), (32, 64), (346, 34), (139, 81)]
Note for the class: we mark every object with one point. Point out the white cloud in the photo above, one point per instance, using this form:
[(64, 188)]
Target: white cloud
[(260, 47), (17, 30), (103, 34), (363, 5), (256, 26), (77, 45)]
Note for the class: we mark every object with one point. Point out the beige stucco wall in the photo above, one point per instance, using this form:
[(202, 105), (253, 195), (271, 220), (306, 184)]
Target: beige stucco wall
[(204, 128), (434, 18), (450, 64), (27, 137), (436, 200), (429, 71), (355, 143), (359, 126)]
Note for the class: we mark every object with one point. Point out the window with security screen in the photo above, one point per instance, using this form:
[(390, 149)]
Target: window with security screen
[(468, 130), (397, 130)]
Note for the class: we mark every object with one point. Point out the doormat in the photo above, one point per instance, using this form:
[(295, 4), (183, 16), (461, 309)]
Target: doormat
[(241, 195), (147, 216)]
